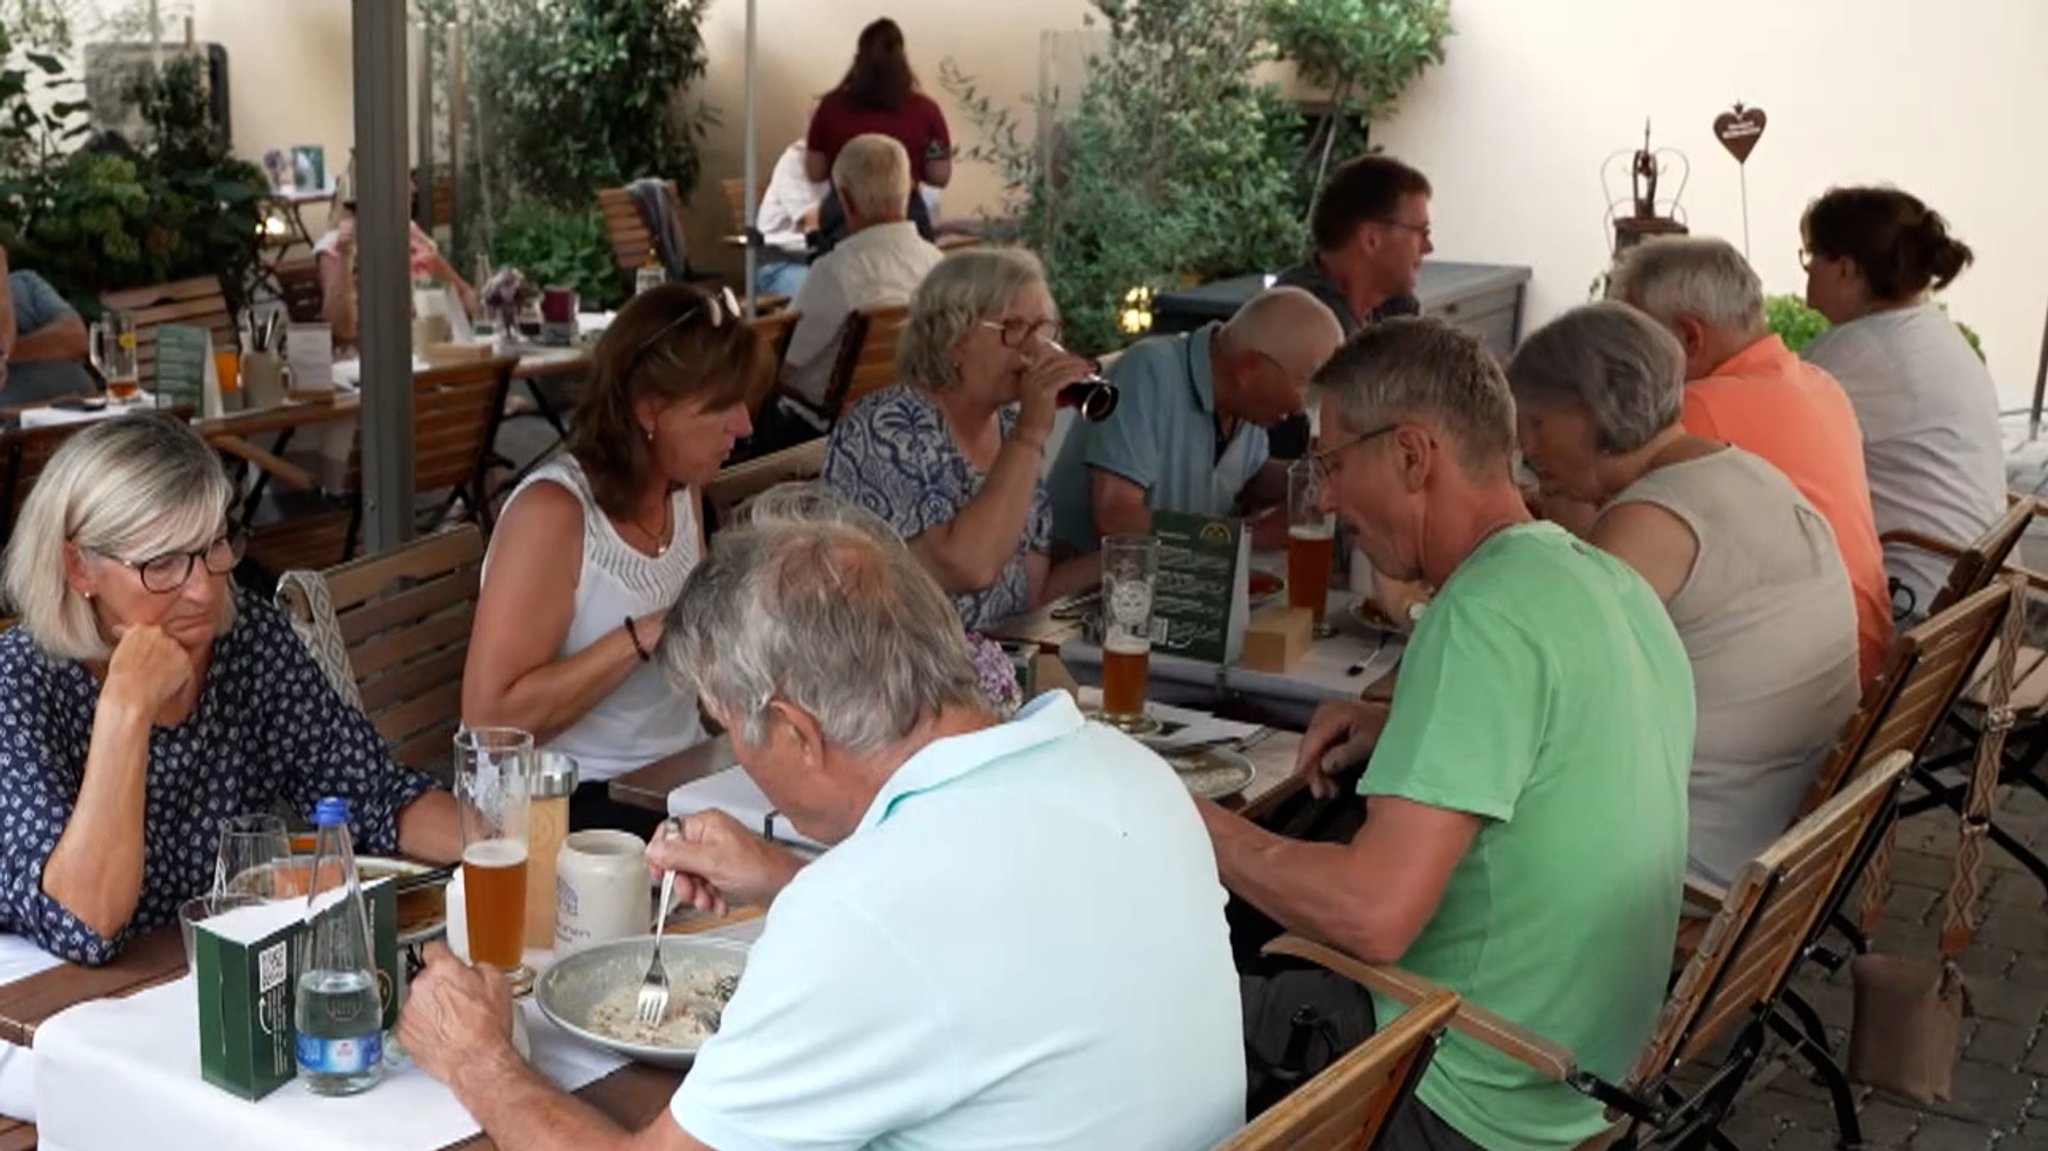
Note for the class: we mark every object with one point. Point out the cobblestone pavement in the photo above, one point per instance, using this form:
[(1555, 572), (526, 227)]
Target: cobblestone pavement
[(1998, 1100)]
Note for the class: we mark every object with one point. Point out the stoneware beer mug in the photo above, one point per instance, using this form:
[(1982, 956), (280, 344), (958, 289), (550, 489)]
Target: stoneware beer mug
[(601, 890)]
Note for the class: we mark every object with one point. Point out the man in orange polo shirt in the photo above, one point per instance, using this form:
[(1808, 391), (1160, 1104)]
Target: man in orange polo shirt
[(1743, 386)]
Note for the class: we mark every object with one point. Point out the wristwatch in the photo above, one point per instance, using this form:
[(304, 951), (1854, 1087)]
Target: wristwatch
[(1415, 612)]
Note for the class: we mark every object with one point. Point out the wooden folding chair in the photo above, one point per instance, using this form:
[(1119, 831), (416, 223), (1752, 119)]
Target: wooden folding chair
[(25, 452), (197, 302), (456, 410), (1346, 1106), (867, 358), (1728, 991), (391, 631), (2016, 721), (735, 485)]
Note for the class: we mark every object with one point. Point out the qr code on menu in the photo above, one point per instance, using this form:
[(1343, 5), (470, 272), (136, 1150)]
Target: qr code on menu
[(270, 968)]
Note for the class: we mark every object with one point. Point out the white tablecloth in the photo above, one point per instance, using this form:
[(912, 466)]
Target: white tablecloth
[(144, 1052), (19, 959)]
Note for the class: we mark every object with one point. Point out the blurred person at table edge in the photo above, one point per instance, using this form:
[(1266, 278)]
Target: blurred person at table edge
[(1745, 564), (873, 1012), (1745, 387), (1370, 231), (42, 341), (1189, 430), (144, 701), (1544, 692), (564, 636), (1925, 400), (335, 253), (953, 455)]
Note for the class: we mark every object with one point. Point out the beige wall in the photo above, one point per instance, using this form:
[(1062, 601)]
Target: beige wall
[(1950, 103), (1513, 128)]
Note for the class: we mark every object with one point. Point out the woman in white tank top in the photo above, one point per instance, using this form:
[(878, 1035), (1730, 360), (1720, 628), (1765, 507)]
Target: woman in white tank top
[(1746, 566), (593, 549)]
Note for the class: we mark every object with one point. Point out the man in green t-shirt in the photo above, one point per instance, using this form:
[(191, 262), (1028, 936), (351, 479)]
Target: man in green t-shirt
[(1525, 832)]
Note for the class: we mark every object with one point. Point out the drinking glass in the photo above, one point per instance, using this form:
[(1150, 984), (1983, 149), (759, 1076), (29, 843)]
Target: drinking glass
[(255, 857), (1130, 567), (494, 773), (111, 346), (1311, 542), (192, 911)]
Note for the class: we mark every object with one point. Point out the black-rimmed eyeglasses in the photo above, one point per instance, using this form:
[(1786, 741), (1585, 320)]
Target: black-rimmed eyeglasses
[(166, 573)]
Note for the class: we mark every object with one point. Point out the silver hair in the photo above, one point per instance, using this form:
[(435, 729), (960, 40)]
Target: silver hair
[(1422, 368), (872, 174), (1697, 276), (133, 486), (816, 601), (964, 289), (1625, 370)]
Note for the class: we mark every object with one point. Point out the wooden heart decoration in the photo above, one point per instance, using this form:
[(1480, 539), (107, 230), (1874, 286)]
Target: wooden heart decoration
[(1739, 131)]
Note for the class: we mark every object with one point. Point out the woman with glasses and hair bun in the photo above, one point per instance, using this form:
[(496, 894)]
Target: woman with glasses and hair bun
[(565, 631), (144, 702), (953, 456)]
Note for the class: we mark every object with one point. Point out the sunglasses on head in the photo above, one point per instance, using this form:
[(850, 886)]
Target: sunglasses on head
[(721, 306)]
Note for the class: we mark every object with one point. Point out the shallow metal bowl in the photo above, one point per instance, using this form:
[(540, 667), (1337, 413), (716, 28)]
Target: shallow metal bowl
[(571, 990)]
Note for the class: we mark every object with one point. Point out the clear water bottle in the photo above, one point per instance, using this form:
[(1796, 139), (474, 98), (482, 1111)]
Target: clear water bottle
[(338, 1013)]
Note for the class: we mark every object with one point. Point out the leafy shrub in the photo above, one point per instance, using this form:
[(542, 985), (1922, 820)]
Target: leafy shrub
[(560, 246)]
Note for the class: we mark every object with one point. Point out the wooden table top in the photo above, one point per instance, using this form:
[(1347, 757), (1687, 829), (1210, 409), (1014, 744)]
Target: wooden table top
[(647, 788), (155, 957)]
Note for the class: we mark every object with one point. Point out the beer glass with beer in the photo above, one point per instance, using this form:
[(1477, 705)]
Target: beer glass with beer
[(1130, 565), (1311, 542), (494, 770), (111, 345)]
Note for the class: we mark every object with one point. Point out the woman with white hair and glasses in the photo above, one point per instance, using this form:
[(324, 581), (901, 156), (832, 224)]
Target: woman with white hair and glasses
[(1747, 567), (144, 702), (594, 547), (953, 456)]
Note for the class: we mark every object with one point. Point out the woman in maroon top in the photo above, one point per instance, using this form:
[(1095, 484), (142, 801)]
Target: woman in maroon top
[(880, 94)]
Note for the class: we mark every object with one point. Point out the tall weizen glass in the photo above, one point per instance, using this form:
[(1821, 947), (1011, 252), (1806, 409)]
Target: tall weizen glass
[(111, 344), (1311, 542), (494, 772), (1130, 568)]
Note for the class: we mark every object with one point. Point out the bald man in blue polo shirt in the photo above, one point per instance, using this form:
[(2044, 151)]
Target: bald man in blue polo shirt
[(1016, 940), (1189, 432)]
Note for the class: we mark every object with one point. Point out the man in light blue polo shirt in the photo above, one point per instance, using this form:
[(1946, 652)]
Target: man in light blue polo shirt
[(1189, 431), (1017, 940), (42, 341)]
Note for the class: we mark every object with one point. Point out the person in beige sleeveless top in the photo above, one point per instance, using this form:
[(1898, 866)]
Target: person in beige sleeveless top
[(1746, 566)]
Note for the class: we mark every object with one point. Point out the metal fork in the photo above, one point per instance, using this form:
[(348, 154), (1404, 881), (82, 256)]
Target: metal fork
[(652, 1005)]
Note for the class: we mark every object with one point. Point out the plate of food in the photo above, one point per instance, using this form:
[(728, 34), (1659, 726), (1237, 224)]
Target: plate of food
[(593, 993), (1365, 617), (1265, 588), (422, 889), (1210, 772)]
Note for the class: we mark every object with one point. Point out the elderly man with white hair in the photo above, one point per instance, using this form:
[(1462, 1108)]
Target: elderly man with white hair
[(1017, 939), (1189, 430), (1746, 566), (1524, 837), (879, 265), (1744, 386)]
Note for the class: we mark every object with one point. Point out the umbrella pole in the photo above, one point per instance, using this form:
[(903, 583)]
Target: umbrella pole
[(751, 193)]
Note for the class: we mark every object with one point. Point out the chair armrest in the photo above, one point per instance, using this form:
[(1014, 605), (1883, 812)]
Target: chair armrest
[(1927, 543), (1507, 1037), (1703, 894)]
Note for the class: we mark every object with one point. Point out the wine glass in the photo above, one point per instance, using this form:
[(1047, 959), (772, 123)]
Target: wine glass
[(255, 852)]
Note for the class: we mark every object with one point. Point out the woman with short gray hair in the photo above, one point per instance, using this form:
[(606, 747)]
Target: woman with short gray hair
[(1746, 566), (143, 703), (952, 457)]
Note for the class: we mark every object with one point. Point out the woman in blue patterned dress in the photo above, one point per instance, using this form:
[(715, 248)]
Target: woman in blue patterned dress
[(953, 457), (143, 702)]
